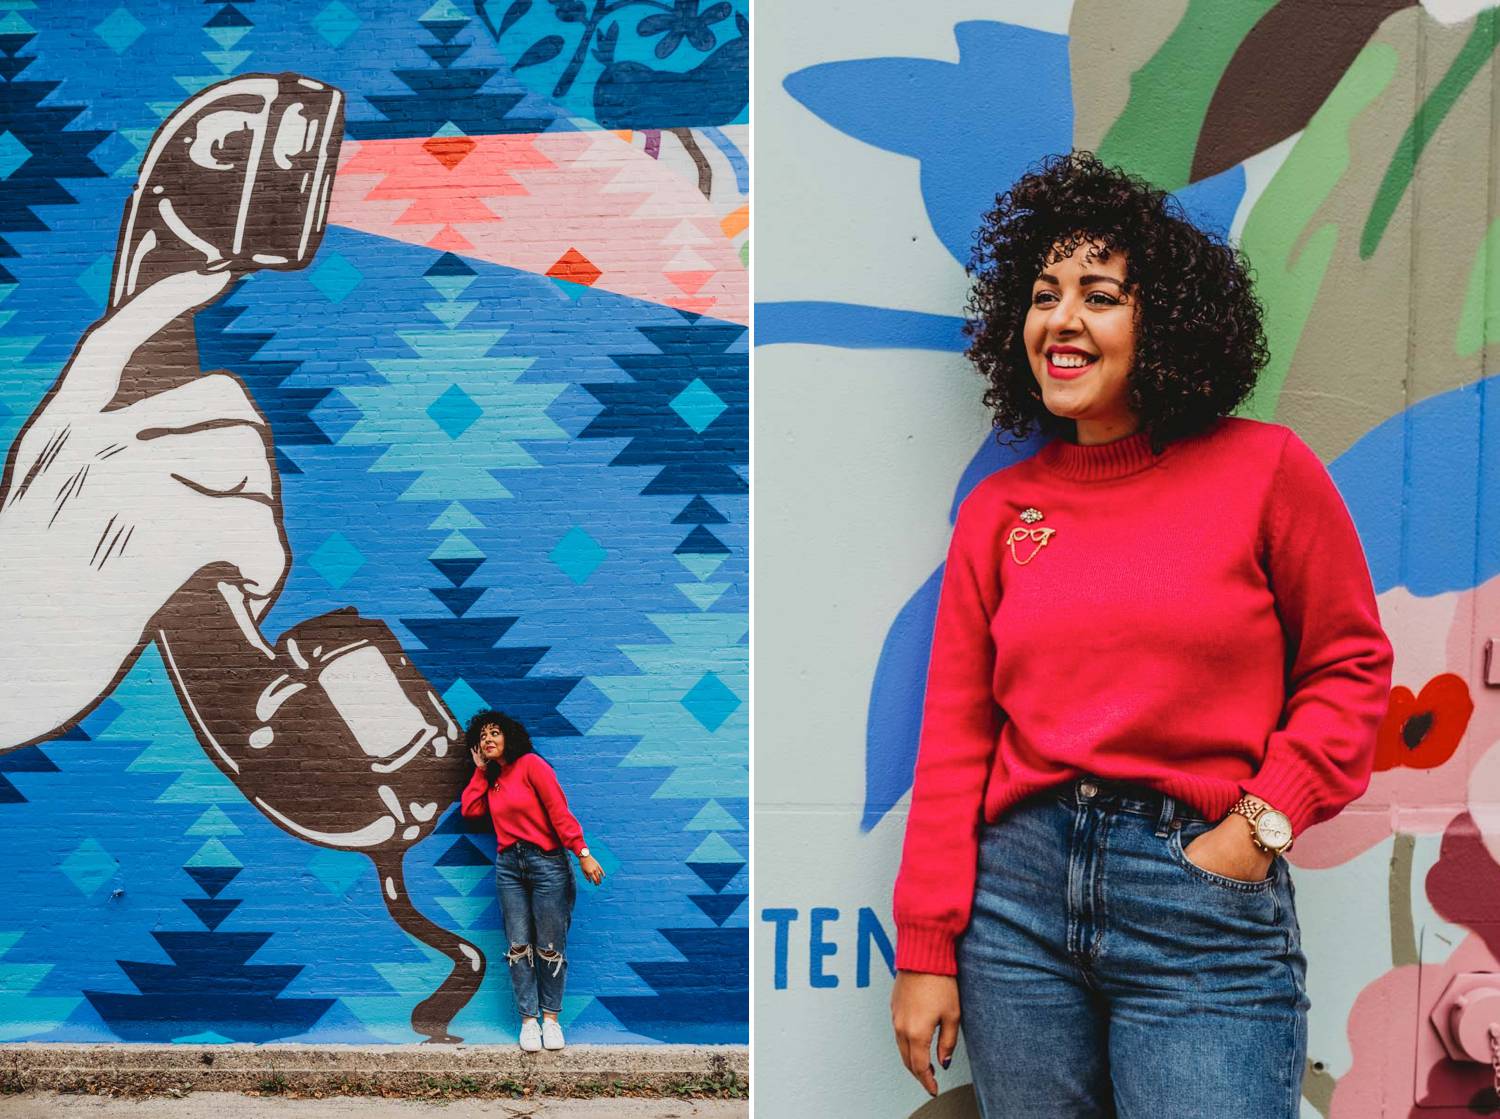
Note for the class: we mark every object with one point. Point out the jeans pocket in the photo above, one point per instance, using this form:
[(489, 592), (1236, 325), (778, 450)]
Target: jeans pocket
[(1175, 846)]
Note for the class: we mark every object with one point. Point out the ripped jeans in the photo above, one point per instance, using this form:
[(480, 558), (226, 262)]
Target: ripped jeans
[(536, 902)]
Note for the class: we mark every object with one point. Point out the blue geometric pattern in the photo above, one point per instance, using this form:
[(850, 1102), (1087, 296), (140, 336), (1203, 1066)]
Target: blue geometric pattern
[(698, 405), (545, 498), (119, 29), (710, 701), (578, 554), (13, 154)]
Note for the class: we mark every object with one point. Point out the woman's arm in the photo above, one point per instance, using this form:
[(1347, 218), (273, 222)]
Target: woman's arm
[(1338, 656), (474, 801), (935, 886), (544, 782)]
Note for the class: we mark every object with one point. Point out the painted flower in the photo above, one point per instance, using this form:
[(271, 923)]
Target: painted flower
[(684, 21), (1423, 731)]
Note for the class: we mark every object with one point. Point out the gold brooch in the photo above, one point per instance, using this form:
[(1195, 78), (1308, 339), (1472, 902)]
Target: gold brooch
[(1038, 536)]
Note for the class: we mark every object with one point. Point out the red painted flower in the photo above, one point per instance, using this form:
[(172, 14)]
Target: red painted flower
[(1421, 732)]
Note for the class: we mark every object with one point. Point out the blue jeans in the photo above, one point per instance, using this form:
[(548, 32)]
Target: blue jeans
[(1105, 975), (536, 903)]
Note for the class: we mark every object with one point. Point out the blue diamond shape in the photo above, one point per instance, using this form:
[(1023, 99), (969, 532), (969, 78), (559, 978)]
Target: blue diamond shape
[(578, 554), (337, 560), (584, 706), (119, 29), (710, 701), (89, 866), (454, 411), (698, 405), (336, 23), (336, 277), (13, 153), (463, 701)]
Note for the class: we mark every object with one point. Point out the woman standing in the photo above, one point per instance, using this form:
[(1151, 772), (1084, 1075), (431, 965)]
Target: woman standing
[(1157, 660), (535, 831)]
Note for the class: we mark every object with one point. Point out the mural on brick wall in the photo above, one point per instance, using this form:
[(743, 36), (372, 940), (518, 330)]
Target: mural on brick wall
[(1358, 183), (474, 435)]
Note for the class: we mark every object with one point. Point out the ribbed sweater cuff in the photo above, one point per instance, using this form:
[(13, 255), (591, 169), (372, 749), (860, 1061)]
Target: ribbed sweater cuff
[(925, 948), (1287, 786)]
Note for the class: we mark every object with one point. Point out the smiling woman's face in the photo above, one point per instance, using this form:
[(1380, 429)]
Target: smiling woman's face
[(1080, 312), (492, 742)]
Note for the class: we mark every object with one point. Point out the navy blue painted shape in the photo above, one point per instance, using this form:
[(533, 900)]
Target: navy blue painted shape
[(212, 911), (701, 542), (436, 102), (700, 512), (692, 462), (705, 996), (465, 647), (715, 875), (213, 879), (457, 571), (458, 599), (29, 760), (710, 962), (229, 16), (450, 264), (718, 908), (210, 985), (56, 151), (463, 853), (715, 92)]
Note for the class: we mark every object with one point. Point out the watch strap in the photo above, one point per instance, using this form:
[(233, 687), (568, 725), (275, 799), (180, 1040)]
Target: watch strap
[(1252, 808)]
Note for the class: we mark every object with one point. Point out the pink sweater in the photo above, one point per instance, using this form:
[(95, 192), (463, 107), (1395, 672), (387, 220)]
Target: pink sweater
[(1201, 622), (526, 802)]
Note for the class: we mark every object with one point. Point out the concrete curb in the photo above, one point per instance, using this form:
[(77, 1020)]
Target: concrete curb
[(427, 1071)]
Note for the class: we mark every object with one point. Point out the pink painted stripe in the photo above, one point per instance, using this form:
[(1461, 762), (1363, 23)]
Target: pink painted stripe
[(525, 201)]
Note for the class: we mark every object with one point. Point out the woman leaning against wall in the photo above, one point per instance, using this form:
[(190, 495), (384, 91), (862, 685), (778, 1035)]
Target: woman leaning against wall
[(534, 831), (1157, 661)]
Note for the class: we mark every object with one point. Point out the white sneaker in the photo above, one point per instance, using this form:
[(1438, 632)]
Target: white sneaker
[(531, 1036), (552, 1037)]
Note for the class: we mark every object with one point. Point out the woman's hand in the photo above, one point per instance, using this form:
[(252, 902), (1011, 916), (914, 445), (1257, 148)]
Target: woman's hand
[(920, 1003), (477, 756), (591, 869), (1229, 851)]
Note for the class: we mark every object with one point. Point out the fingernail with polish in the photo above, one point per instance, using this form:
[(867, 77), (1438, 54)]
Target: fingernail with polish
[(948, 1062)]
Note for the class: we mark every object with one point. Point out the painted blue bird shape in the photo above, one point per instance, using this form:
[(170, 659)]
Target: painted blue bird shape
[(715, 92)]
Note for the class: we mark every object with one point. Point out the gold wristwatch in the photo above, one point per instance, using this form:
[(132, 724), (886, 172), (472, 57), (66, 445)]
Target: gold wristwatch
[(1270, 830)]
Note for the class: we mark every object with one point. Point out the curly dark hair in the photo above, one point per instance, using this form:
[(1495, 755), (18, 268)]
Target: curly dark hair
[(1199, 340), (517, 738)]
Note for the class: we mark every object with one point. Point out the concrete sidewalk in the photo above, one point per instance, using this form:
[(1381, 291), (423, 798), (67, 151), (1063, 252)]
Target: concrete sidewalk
[(422, 1072), (228, 1105)]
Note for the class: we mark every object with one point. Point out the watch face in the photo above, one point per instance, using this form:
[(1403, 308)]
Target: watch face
[(1274, 829)]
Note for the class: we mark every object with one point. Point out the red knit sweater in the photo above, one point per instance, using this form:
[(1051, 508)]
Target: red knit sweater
[(526, 802), (1201, 622)]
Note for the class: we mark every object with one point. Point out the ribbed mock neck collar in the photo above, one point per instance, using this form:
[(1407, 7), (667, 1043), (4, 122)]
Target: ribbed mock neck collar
[(1099, 462)]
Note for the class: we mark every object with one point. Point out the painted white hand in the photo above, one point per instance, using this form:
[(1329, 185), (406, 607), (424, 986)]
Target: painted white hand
[(106, 513)]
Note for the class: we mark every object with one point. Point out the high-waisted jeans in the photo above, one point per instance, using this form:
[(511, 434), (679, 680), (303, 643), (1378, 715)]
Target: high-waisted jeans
[(1105, 975), (536, 903)]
